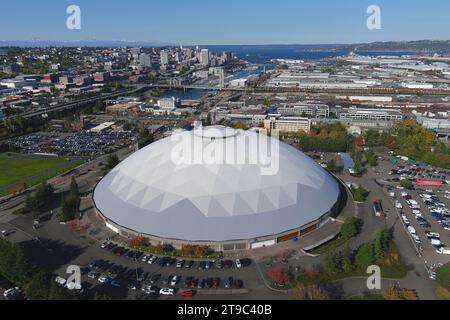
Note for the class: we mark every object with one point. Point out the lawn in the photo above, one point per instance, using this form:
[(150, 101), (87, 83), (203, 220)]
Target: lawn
[(329, 246), (17, 169), (442, 293)]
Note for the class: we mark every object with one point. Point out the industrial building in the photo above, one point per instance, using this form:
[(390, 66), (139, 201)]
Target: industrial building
[(288, 124), (371, 114)]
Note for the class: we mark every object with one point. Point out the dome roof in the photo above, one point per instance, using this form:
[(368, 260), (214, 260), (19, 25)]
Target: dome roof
[(207, 186)]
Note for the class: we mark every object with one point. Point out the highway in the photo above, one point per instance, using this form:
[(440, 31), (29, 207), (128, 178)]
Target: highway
[(73, 104)]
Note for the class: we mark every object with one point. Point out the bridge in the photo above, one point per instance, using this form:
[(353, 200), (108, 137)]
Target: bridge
[(187, 87)]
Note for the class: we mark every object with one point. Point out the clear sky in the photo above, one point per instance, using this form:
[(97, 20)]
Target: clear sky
[(211, 22)]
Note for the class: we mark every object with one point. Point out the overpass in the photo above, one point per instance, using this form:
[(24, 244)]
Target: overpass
[(187, 87), (71, 105)]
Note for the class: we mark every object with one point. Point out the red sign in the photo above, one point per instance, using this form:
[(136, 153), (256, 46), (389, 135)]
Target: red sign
[(429, 183)]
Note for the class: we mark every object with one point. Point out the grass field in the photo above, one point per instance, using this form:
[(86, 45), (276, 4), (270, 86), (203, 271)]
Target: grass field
[(15, 169)]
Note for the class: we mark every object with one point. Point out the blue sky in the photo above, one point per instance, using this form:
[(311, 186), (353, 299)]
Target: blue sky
[(226, 21)]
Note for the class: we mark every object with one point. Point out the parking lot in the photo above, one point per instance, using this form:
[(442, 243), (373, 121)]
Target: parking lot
[(424, 210), (133, 273), (84, 143), (153, 274)]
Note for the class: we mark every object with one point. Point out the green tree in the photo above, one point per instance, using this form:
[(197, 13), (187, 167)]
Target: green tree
[(74, 190), (113, 161), (332, 166), (351, 227), (127, 126), (333, 262), (99, 107), (39, 286), (381, 244), (365, 256), (359, 194), (347, 262), (373, 138), (13, 263), (372, 159), (407, 184)]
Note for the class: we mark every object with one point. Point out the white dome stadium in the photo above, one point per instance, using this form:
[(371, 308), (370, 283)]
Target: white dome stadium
[(207, 186)]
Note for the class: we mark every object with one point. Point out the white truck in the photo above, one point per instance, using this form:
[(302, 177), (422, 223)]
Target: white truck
[(443, 251)]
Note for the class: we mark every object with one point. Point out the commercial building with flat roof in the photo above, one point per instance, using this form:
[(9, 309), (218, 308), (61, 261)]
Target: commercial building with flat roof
[(291, 124), (371, 114)]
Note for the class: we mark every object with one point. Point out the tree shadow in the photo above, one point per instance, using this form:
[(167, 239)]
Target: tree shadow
[(50, 254)]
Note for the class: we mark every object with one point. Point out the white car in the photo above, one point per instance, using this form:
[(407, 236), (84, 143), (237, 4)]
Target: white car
[(11, 292), (405, 219), (174, 281), (416, 238), (61, 281), (167, 291), (436, 243), (238, 264), (146, 257), (152, 260), (180, 263), (398, 205), (411, 230), (433, 235), (103, 279)]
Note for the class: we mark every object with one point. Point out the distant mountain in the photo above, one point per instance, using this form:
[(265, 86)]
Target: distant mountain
[(80, 43), (431, 46)]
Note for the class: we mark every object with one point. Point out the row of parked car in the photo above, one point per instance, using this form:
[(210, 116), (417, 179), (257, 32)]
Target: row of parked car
[(134, 279), (135, 255), (436, 208), (414, 172)]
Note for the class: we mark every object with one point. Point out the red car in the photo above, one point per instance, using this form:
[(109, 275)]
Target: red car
[(187, 294)]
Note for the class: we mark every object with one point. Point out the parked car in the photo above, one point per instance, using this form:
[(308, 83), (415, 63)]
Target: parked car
[(201, 284), (174, 280), (187, 294), (152, 259), (166, 281), (238, 284), (104, 279), (11, 292), (180, 263), (167, 291), (228, 282), (133, 286), (238, 264), (154, 278), (93, 275), (188, 281)]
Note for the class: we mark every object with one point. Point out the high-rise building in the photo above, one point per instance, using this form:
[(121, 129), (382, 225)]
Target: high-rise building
[(204, 57), (164, 55), (145, 60)]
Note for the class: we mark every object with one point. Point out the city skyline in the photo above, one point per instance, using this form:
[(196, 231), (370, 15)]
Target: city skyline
[(249, 22)]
